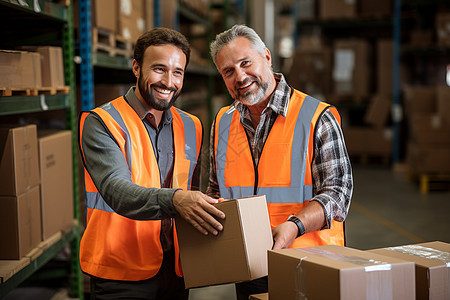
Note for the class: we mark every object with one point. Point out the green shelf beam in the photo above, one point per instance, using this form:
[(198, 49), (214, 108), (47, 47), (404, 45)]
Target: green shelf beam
[(10, 105), (100, 59), (42, 8), (36, 264)]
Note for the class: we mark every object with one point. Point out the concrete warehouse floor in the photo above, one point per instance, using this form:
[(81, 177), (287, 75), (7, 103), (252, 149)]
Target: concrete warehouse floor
[(387, 210)]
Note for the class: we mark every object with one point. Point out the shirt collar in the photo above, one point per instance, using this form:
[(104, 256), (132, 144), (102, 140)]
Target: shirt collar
[(279, 100), (140, 109)]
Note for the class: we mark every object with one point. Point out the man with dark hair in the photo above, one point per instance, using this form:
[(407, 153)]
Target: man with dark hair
[(142, 159), (279, 142)]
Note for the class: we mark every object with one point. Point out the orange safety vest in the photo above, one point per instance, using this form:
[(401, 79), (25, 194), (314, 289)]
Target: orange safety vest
[(283, 173), (113, 246)]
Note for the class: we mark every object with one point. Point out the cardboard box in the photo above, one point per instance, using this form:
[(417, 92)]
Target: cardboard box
[(238, 253), (20, 70), (348, 274), (419, 38), (19, 165), (426, 128), (52, 68), (168, 12), (431, 267), (368, 141), (20, 229), (311, 71), (420, 99), (263, 296), (131, 21), (337, 9), (427, 158), (104, 14), (443, 105), (55, 163), (378, 9), (378, 111), (149, 14), (351, 76)]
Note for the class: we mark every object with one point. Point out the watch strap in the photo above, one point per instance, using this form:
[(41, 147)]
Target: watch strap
[(299, 223)]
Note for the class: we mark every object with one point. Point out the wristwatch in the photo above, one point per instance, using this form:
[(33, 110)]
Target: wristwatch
[(300, 226)]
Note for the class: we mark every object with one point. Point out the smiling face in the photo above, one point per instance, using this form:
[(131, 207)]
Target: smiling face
[(160, 78), (246, 72)]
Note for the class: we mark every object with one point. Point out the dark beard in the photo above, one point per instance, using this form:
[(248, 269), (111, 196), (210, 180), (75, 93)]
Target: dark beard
[(151, 100)]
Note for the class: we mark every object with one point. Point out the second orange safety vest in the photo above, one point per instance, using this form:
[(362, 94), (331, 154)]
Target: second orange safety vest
[(283, 173), (113, 246)]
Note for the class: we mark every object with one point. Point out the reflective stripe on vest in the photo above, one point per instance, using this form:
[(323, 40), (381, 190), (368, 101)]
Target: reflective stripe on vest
[(284, 169), (130, 249)]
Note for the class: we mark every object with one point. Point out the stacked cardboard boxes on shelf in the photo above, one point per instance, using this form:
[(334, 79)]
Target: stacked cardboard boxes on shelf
[(37, 68), (20, 212), (429, 141), (20, 70), (117, 24), (36, 191)]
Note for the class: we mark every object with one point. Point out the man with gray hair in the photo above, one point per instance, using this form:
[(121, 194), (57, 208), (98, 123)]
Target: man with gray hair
[(277, 141)]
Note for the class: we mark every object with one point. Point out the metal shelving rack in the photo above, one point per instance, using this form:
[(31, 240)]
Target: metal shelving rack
[(23, 13)]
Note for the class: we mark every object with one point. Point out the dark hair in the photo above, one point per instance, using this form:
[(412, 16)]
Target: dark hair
[(160, 36)]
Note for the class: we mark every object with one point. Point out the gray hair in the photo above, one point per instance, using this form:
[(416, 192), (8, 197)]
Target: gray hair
[(229, 35)]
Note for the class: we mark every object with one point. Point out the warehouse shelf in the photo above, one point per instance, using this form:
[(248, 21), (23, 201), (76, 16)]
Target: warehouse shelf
[(55, 27), (349, 23), (42, 9), (104, 60), (424, 51), (10, 105), (193, 16), (35, 264)]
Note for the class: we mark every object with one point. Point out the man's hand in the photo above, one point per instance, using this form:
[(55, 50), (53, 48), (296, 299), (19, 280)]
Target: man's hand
[(196, 208), (284, 235)]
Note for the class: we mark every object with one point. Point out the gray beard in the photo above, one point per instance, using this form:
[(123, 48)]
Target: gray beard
[(250, 98)]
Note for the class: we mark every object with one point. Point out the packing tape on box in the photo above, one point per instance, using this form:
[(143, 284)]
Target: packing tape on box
[(429, 253), (377, 287)]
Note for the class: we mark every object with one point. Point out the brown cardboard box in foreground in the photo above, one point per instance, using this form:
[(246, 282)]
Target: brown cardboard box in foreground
[(19, 164), (238, 253), (336, 272), (432, 267), (20, 229), (55, 163)]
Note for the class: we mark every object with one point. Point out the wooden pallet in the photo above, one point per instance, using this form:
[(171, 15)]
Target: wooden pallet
[(107, 41), (432, 181), (34, 92)]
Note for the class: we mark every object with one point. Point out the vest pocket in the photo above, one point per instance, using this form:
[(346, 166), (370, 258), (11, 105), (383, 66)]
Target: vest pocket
[(274, 167)]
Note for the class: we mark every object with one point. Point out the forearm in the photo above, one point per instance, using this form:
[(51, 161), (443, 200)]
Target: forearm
[(312, 216)]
